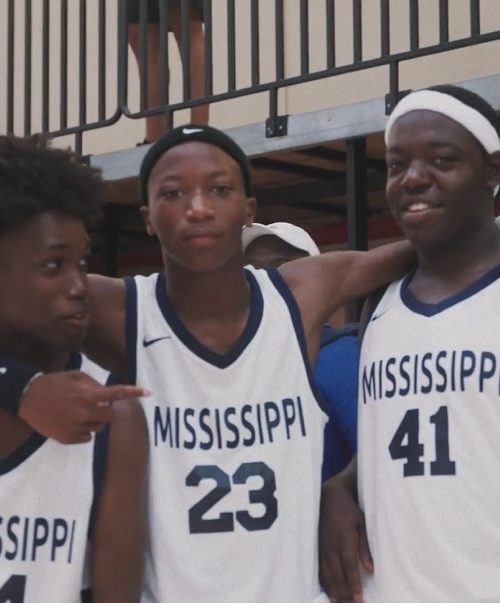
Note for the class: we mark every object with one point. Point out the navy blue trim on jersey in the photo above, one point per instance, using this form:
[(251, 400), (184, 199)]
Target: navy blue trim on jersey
[(219, 360), (86, 596), (293, 308), (34, 440), (74, 363), (131, 326), (101, 441), (419, 307), (22, 452)]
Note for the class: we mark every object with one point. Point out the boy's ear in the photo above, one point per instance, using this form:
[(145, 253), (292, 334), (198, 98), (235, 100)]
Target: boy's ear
[(144, 211), (250, 211), (494, 170)]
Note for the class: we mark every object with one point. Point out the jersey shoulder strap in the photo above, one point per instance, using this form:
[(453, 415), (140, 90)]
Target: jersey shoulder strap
[(371, 303)]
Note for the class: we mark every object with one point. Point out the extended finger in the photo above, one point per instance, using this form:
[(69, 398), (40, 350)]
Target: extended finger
[(116, 392)]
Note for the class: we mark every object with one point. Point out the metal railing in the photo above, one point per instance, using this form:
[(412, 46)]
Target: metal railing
[(66, 71)]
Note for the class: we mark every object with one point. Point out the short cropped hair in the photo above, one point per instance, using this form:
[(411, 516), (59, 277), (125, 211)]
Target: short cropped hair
[(35, 178)]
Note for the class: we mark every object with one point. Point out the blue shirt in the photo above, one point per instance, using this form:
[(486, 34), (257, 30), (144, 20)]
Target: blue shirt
[(336, 377)]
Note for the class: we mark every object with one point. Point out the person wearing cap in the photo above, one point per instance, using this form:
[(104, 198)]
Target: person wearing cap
[(271, 245), (336, 370), (429, 412), (236, 433)]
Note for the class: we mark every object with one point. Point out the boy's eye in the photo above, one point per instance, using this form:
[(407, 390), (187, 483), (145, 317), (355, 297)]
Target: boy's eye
[(444, 160), (171, 194), (394, 164), (221, 189), (51, 265)]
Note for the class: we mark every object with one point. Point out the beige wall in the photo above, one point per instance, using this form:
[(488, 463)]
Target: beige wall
[(460, 65)]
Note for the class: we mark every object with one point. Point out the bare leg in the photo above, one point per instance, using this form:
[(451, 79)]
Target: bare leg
[(155, 125), (199, 114)]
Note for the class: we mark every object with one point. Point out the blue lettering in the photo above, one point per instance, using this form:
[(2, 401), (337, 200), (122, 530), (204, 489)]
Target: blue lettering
[(289, 414), (452, 371), (217, 427), (272, 415), (441, 370), (60, 536), (231, 411), (425, 389), (301, 416), (206, 428), (162, 428), (12, 536), (190, 444), (406, 376), (390, 375), (247, 425), (484, 372), (40, 535), (177, 426), (259, 424), (467, 366), (369, 384)]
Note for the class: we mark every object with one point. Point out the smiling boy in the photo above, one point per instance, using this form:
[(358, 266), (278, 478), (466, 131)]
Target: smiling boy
[(429, 414)]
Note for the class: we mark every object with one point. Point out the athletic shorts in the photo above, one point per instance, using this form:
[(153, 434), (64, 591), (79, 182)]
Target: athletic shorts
[(154, 11)]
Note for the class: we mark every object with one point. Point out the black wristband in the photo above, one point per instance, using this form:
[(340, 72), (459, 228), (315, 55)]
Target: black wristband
[(14, 377)]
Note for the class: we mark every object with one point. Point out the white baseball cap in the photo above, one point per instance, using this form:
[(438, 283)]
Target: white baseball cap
[(293, 235)]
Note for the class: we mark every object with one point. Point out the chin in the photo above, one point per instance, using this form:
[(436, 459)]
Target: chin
[(73, 343)]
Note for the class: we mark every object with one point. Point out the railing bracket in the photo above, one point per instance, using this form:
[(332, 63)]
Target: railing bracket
[(277, 126), (391, 100)]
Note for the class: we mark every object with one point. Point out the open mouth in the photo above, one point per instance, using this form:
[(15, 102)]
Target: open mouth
[(416, 207)]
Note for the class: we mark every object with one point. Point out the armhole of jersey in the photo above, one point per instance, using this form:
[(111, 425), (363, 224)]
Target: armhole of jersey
[(86, 596), (101, 441), (293, 308), (131, 319), (74, 362), (369, 307)]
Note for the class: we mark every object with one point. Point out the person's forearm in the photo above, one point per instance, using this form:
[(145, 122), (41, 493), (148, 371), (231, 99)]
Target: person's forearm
[(346, 479), (15, 376)]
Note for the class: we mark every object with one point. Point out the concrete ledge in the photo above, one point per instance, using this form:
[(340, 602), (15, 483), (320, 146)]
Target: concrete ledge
[(329, 125)]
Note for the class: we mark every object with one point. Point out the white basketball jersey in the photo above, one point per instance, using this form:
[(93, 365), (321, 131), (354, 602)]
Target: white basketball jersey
[(429, 446), (236, 449), (46, 497)]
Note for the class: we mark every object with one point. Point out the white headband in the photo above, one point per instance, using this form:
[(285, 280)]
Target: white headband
[(439, 102)]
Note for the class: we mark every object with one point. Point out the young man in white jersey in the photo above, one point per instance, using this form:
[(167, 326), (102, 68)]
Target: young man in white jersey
[(55, 498), (235, 429), (429, 412)]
